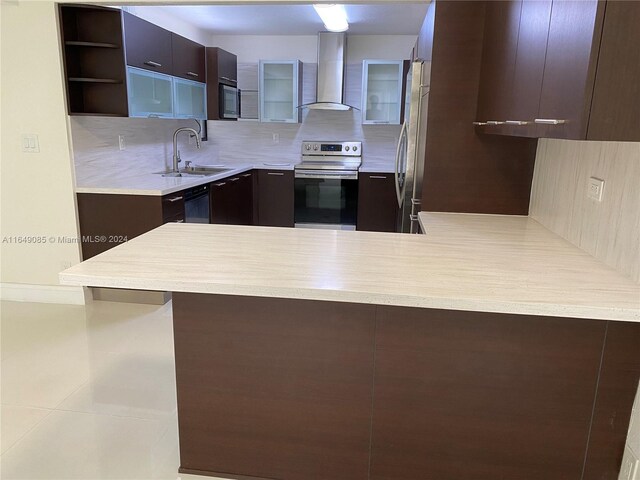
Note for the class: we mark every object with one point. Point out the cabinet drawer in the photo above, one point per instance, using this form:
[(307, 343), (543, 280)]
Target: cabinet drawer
[(173, 205)]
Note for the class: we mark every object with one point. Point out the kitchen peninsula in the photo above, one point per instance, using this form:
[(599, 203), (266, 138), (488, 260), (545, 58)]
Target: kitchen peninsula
[(487, 348)]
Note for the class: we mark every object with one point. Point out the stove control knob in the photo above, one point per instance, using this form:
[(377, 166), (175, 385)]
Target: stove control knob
[(307, 147), (347, 148), (355, 149), (316, 147)]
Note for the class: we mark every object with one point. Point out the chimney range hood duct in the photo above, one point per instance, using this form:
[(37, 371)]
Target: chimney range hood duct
[(331, 60)]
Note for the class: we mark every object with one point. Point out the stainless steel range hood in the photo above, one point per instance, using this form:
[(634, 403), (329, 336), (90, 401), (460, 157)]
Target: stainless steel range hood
[(331, 62)]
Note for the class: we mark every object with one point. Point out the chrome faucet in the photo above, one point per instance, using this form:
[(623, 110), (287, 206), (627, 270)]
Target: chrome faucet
[(176, 152)]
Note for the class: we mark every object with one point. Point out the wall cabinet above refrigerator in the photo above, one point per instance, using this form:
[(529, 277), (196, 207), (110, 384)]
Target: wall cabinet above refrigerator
[(561, 69)]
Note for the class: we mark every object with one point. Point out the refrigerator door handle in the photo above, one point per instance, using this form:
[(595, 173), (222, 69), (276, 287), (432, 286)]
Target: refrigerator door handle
[(396, 172)]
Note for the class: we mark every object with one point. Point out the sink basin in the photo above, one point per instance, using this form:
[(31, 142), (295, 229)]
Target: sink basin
[(207, 170), (195, 172)]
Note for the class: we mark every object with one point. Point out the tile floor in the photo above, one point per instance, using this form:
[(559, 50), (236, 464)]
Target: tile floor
[(88, 392)]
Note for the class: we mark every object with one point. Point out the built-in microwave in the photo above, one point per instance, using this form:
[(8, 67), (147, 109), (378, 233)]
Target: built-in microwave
[(229, 102)]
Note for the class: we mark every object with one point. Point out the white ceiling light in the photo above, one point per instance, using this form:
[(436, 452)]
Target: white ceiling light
[(333, 17)]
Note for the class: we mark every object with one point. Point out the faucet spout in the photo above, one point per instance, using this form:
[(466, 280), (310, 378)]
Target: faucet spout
[(176, 152)]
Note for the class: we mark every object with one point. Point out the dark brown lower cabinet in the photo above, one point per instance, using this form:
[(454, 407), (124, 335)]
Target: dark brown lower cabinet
[(297, 389), (232, 200), (377, 202), (275, 198), (107, 220)]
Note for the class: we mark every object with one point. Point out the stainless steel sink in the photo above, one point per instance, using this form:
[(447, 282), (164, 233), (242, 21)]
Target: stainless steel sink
[(195, 172), (206, 170)]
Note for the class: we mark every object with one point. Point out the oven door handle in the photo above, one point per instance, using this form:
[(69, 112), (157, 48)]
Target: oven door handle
[(324, 175)]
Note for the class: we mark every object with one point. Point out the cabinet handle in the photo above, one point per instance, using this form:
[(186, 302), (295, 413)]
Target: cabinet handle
[(549, 121), (246, 175), (229, 79), (193, 74), (381, 121), (174, 199), (276, 120), (479, 123), (494, 122), (517, 122), (220, 184), (179, 221), (278, 174), (234, 179), (378, 176), (152, 64)]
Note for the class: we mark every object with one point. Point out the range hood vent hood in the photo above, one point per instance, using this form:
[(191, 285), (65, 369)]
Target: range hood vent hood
[(331, 61)]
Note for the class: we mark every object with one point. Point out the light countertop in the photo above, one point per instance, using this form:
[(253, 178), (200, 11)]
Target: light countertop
[(157, 185), (504, 264)]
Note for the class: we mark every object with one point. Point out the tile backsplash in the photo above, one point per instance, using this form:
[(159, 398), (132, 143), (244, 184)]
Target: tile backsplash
[(608, 230), (148, 142)]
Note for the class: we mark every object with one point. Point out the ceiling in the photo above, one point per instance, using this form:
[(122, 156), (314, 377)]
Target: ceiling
[(379, 19)]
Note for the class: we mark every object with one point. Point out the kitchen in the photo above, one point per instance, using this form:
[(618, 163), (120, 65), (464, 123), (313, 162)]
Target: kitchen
[(486, 158)]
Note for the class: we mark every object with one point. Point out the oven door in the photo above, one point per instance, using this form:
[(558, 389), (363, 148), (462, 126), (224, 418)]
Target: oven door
[(229, 104), (326, 199)]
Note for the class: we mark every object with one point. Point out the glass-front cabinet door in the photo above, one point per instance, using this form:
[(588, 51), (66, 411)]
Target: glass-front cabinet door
[(381, 91), (150, 93), (280, 91), (190, 99)]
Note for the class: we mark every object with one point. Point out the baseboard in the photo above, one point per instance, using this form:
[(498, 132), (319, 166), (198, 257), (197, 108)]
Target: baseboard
[(149, 297), (23, 292)]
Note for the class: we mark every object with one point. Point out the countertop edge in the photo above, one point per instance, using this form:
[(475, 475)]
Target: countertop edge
[(374, 298)]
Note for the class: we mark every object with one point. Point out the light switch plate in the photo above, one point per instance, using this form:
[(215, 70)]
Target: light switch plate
[(30, 143), (121, 144), (595, 188)]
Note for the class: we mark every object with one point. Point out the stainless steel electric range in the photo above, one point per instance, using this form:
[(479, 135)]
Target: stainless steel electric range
[(326, 185)]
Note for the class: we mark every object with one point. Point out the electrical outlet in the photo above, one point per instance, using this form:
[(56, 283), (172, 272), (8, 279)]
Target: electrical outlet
[(121, 144), (30, 143), (595, 188), (276, 138)]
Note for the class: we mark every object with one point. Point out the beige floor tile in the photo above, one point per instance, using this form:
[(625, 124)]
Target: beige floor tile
[(15, 422)]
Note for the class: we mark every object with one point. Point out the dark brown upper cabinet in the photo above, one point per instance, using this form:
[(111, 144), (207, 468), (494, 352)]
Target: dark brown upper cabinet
[(148, 46), (188, 58), (222, 70), (94, 64), (574, 73)]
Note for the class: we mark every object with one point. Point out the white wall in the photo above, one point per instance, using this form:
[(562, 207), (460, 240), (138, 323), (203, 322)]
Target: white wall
[(252, 48), (379, 47), (37, 196)]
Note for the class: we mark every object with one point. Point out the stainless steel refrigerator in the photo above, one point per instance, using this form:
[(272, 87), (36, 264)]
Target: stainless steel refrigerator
[(410, 154)]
